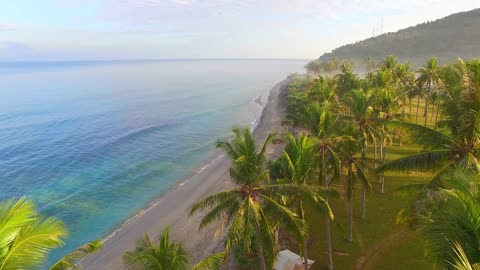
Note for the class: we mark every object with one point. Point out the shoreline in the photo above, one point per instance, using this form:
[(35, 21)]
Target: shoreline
[(172, 207)]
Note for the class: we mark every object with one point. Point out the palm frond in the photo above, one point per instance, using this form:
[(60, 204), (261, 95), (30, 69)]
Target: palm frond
[(212, 262), (33, 242), (429, 160), (424, 136), (69, 261), (214, 200)]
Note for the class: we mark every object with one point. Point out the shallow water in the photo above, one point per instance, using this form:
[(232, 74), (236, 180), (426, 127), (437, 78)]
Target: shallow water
[(94, 142)]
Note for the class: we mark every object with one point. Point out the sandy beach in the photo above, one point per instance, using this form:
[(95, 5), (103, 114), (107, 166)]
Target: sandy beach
[(172, 208)]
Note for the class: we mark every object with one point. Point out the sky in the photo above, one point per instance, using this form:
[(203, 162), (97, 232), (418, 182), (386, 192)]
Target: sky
[(32, 30)]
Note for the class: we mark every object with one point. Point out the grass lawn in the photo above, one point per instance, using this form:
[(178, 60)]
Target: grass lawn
[(379, 242)]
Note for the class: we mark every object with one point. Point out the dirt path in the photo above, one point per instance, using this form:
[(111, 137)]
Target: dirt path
[(363, 261)]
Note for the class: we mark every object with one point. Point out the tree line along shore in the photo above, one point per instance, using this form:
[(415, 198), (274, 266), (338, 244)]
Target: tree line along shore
[(379, 171)]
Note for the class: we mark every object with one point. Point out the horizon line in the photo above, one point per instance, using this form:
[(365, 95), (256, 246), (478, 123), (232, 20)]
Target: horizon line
[(159, 59)]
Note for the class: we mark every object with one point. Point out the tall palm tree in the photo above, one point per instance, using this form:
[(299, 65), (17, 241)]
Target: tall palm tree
[(404, 78), (386, 104), (298, 164), (361, 106), (251, 208), (428, 78), (349, 151), (390, 64), (323, 123), (347, 80), (26, 238)]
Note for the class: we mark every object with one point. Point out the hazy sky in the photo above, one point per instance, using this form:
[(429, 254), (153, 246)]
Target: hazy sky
[(133, 29)]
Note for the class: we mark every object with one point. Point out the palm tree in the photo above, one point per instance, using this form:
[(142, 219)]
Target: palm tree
[(166, 255), (349, 150), (459, 146), (298, 164), (26, 238), (323, 123), (251, 208), (346, 80), (386, 103), (428, 78), (404, 79), (390, 64), (451, 220), (360, 104)]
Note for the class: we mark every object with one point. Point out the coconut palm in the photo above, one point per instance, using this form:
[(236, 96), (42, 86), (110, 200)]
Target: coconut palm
[(390, 64), (360, 104), (459, 145), (347, 80), (166, 255), (428, 79), (27, 237), (350, 150), (251, 208), (386, 103), (323, 122), (298, 164), (404, 78), (451, 220)]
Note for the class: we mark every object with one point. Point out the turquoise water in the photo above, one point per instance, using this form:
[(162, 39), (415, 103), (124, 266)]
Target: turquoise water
[(93, 142)]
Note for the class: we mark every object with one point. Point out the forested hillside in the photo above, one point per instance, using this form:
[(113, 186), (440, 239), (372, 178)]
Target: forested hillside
[(448, 38)]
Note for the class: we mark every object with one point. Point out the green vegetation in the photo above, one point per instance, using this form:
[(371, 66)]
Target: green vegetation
[(378, 172), (342, 128), (448, 38), (26, 238), (255, 209), (165, 255), (364, 117)]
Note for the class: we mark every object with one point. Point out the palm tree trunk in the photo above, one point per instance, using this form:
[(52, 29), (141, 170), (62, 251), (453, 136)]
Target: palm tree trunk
[(364, 189), (433, 111), (436, 116), (418, 108), (350, 211), (328, 231), (382, 176), (364, 202), (260, 247), (425, 112), (410, 110), (301, 215), (381, 159), (375, 152)]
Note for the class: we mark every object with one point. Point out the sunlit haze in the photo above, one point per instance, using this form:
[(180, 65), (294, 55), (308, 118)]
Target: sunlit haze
[(158, 29)]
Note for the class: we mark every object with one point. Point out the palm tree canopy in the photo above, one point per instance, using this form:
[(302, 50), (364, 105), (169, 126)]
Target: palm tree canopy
[(25, 236), (164, 256), (248, 164)]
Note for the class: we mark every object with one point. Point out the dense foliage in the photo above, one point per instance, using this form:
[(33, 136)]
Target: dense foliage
[(454, 36), (345, 113)]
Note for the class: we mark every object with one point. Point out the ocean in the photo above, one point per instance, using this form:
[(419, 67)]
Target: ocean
[(94, 142)]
